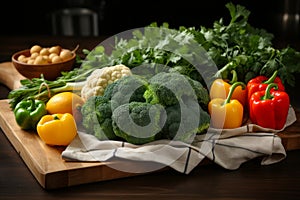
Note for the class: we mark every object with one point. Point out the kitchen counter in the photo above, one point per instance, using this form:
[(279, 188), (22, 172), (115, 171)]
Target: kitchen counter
[(250, 181)]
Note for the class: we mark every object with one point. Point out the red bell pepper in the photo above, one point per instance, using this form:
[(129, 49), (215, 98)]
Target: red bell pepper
[(268, 108), (260, 83)]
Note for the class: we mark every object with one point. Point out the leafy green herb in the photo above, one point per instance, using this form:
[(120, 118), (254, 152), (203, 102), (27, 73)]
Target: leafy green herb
[(247, 50)]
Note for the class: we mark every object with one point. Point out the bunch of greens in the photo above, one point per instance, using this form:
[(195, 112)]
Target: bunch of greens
[(236, 45), (246, 49)]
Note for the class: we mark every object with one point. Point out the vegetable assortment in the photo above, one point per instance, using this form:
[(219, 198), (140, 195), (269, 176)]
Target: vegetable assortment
[(267, 105), (234, 46), (175, 102)]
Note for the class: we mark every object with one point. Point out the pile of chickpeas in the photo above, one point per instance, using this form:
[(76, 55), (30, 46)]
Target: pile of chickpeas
[(46, 55)]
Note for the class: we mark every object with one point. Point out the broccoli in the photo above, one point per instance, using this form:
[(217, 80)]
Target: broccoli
[(137, 110), (200, 92), (168, 89), (108, 92), (138, 122), (185, 120), (96, 114), (125, 90)]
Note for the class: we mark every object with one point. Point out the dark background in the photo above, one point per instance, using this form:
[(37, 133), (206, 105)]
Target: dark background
[(32, 17)]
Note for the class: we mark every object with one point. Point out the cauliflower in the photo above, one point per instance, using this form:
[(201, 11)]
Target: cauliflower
[(99, 79)]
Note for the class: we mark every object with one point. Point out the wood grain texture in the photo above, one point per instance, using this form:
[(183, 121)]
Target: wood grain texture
[(10, 76), (45, 162), (51, 171)]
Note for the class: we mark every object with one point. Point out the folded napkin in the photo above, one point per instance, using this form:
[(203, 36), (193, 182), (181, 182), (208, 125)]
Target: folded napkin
[(228, 148)]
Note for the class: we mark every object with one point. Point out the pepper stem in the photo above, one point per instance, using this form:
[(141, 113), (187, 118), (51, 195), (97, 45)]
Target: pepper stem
[(234, 77), (55, 117), (268, 93), (272, 78), (232, 88)]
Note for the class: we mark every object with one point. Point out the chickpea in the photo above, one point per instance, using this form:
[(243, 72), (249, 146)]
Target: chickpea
[(44, 51), (35, 48), (46, 55), (39, 60), (34, 55), (52, 55), (66, 54), (22, 58), (56, 59), (55, 49), (30, 61)]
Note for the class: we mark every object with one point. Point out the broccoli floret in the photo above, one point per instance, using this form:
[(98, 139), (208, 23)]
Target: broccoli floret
[(138, 122), (96, 114), (201, 93), (125, 90), (168, 89), (185, 120), (108, 92), (189, 71)]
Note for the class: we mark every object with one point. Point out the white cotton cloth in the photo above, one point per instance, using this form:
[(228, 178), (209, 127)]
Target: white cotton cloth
[(228, 148)]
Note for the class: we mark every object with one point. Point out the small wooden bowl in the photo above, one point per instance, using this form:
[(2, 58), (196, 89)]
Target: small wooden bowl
[(50, 71)]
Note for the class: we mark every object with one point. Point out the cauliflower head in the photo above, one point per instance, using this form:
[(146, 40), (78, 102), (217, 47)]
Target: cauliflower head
[(99, 79)]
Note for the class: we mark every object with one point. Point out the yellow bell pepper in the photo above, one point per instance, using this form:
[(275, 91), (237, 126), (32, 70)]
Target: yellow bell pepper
[(220, 89), (57, 129), (226, 113)]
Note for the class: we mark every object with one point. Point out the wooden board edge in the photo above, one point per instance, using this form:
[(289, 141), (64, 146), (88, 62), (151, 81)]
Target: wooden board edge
[(290, 141), (82, 176)]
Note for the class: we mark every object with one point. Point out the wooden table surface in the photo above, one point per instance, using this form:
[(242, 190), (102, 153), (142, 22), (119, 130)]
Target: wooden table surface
[(250, 181)]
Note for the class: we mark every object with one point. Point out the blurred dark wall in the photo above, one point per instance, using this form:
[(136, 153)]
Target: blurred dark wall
[(32, 17)]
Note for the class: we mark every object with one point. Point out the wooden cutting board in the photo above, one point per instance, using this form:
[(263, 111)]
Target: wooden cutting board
[(45, 162)]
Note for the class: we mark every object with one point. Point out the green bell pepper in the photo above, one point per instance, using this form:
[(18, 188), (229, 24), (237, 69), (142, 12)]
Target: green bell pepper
[(28, 113)]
